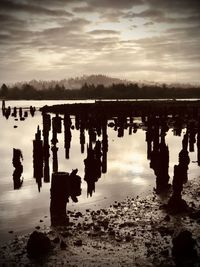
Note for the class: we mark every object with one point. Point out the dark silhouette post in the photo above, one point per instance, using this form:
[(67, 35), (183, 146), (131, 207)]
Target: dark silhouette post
[(82, 138), (98, 154), (32, 111), (163, 176), (67, 134), (77, 122), (16, 161), (14, 114), (184, 159), (20, 112), (90, 170), (56, 127), (46, 154), (59, 198), (149, 137), (3, 107), (56, 122), (176, 203), (54, 150), (104, 145), (192, 134), (7, 112), (198, 143), (38, 158), (159, 156), (3, 104), (130, 129), (63, 186)]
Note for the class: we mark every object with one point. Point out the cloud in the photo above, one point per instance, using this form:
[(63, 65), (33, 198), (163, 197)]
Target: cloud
[(16, 6), (10, 22), (104, 32), (162, 16), (84, 9), (66, 38), (114, 4), (192, 6), (149, 23)]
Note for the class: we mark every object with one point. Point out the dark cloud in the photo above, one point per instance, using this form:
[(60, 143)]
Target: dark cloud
[(84, 9), (162, 16), (133, 27), (150, 23), (104, 32), (114, 4), (18, 6), (149, 13), (112, 15), (9, 21), (176, 5)]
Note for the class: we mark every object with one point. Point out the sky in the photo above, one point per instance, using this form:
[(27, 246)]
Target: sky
[(138, 40)]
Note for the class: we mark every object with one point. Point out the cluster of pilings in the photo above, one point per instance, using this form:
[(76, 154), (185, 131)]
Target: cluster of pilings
[(95, 122), (17, 113), (127, 108), (96, 161)]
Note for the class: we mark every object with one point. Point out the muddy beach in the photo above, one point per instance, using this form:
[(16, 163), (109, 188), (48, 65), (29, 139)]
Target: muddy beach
[(135, 232)]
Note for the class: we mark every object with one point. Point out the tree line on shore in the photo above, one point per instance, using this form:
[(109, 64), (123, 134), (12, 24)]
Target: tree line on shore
[(90, 91)]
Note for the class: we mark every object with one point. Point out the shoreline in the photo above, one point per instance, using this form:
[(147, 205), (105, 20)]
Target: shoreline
[(134, 232)]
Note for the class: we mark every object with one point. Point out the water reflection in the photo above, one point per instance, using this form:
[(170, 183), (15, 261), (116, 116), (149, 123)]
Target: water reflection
[(16, 161), (18, 113), (157, 151), (38, 158), (198, 144), (95, 163), (176, 203), (46, 154), (97, 145)]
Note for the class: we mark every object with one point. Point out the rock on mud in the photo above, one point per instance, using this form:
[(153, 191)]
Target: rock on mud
[(38, 244), (184, 248)]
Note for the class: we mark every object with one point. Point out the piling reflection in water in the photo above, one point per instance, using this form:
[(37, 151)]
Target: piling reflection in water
[(18, 113), (158, 153), (95, 162), (198, 143), (92, 166), (16, 161), (176, 203), (67, 134), (38, 158), (46, 120)]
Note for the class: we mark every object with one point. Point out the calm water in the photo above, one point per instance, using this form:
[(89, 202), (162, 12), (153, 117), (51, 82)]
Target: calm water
[(128, 169)]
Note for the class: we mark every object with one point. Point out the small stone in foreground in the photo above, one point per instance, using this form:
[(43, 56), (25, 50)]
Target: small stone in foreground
[(63, 245), (78, 243), (167, 218), (56, 240), (38, 244), (183, 247)]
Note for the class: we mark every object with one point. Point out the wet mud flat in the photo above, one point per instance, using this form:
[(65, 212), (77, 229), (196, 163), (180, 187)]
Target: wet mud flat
[(136, 232)]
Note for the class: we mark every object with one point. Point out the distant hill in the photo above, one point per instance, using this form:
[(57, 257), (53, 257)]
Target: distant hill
[(97, 87), (74, 83)]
